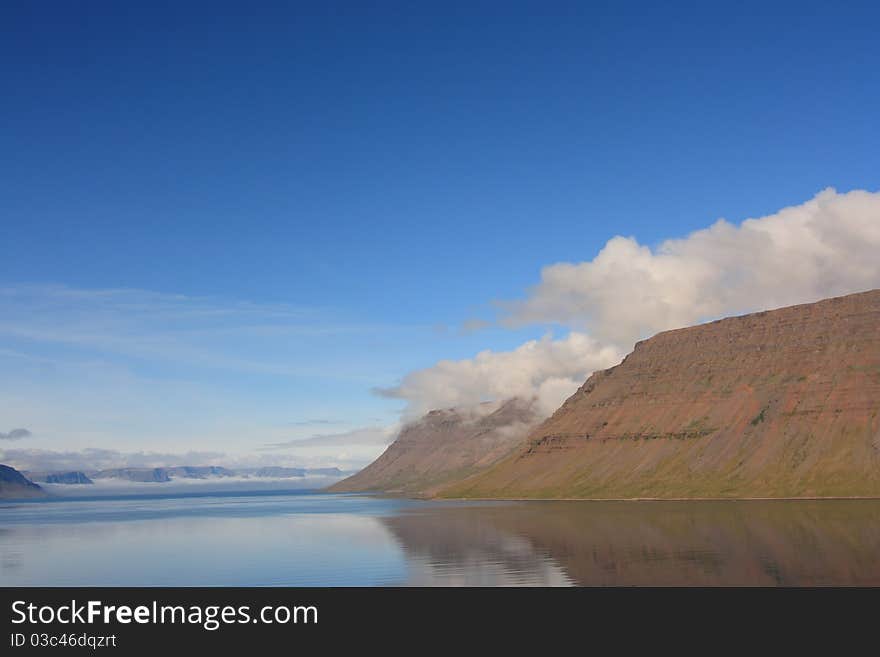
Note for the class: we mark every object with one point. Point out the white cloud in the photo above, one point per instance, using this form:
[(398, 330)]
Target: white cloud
[(547, 369), (828, 246)]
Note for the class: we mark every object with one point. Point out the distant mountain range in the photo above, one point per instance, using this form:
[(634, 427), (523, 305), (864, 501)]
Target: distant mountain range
[(160, 475), (781, 403), (168, 474)]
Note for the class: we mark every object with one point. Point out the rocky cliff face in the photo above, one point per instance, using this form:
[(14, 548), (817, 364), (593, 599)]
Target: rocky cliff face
[(774, 404), (14, 485), (445, 445)]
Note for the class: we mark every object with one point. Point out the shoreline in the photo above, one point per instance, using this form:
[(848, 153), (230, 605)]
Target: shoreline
[(619, 499)]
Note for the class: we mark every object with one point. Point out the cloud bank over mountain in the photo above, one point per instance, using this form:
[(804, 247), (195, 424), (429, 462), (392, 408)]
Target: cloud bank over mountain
[(547, 369), (825, 247)]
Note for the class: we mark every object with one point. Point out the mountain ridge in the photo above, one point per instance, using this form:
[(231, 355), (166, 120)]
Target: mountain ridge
[(779, 403), (444, 445)]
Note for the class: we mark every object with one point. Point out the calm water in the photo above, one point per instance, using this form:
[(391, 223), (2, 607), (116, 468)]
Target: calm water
[(349, 540)]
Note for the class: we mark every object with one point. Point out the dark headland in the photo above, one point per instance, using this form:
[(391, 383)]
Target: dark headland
[(14, 485)]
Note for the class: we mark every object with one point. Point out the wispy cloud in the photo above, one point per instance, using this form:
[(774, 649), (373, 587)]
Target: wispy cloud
[(200, 332), (15, 434), (91, 459), (474, 325), (366, 436), (312, 423)]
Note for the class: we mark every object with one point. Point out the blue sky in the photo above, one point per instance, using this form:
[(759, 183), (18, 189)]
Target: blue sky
[(224, 220)]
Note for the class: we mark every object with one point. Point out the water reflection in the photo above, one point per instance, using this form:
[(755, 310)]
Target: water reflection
[(351, 540), (463, 546), (802, 543)]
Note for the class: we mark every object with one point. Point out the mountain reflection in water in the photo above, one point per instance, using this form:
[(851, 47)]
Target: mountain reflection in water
[(748, 543)]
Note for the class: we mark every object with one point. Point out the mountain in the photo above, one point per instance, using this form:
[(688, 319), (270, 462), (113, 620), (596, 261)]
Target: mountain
[(170, 473), (156, 475), (14, 485), (782, 403), (60, 477), (443, 446), (162, 475), (198, 472)]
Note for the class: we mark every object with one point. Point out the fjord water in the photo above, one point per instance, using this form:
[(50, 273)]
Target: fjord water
[(316, 539)]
